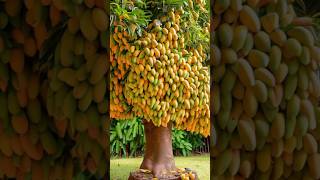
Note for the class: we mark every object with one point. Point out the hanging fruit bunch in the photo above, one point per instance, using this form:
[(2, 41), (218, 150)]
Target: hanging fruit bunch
[(266, 93), (53, 89), (76, 95), (158, 63)]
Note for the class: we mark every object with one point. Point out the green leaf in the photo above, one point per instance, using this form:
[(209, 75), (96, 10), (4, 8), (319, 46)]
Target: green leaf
[(112, 150), (134, 134), (123, 147), (118, 129), (112, 136), (128, 134), (183, 152), (118, 147)]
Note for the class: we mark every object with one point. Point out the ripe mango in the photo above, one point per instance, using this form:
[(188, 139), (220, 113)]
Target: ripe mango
[(225, 35), (223, 162), (250, 19), (100, 69), (265, 76), (221, 5), (250, 103), (264, 159), (49, 142), (239, 37), (292, 48), (245, 73), (247, 135), (258, 58), (260, 91), (262, 41), (87, 26), (278, 37), (303, 35), (278, 126), (270, 22), (228, 56), (100, 19)]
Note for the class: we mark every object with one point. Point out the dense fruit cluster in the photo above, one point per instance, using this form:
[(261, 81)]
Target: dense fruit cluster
[(158, 78), (266, 93), (51, 124)]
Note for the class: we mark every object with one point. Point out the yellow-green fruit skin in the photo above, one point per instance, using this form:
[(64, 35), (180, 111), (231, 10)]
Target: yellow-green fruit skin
[(247, 135), (278, 37), (260, 91), (248, 45), (265, 76), (270, 22), (221, 5), (264, 159), (99, 91), (228, 56), (100, 19), (99, 70), (292, 48), (87, 26), (245, 73), (250, 19), (314, 165), (222, 163), (302, 35), (262, 41), (275, 58), (290, 85), (239, 37), (225, 34), (258, 58)]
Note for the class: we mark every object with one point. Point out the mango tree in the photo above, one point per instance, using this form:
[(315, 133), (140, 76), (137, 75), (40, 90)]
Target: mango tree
[(159, 51)]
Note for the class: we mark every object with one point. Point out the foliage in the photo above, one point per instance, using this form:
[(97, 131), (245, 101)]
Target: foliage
[(127, 139), (134, 17), (180, 142), (196, 140)]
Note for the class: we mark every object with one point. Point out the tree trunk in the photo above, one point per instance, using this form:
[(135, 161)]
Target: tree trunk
[(158, 157)]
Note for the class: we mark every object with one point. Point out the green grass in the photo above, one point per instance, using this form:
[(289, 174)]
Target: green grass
[(120, 168)]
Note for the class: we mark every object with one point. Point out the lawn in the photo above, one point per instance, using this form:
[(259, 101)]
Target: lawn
[(120, 168)]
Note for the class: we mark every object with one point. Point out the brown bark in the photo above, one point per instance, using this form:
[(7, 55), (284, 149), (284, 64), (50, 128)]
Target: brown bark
[(158, 157)]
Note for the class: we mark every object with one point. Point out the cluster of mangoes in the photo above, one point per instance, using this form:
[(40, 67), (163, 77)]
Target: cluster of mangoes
[(52, 123), (266, 92), (158, 78)]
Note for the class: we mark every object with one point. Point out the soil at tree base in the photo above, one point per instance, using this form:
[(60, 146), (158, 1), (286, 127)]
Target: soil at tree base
[(174, 175)]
